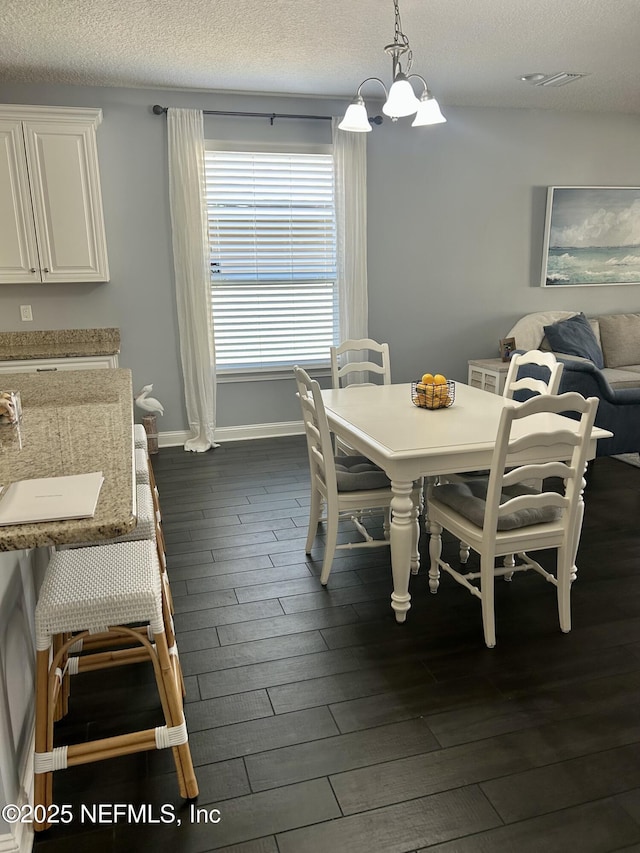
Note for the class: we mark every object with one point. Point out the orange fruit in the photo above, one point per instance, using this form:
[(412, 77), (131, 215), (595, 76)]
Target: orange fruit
[(439, 379), (427, 378)]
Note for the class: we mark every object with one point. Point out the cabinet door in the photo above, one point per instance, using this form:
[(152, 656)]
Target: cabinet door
[(62, 160), (19, 261)]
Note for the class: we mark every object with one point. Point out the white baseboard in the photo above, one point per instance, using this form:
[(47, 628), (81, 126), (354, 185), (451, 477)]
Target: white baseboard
[(236, 433)]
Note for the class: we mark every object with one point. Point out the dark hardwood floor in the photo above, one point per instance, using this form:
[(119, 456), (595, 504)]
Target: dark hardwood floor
[(319, 725)]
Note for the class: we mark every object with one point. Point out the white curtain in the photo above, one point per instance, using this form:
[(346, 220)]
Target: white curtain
[(350, 164), (191, 263)]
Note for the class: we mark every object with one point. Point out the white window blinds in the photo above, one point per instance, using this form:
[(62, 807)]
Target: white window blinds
[(272, 236)]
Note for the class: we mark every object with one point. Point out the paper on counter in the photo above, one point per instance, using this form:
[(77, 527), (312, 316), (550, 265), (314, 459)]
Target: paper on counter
[(51, 499)]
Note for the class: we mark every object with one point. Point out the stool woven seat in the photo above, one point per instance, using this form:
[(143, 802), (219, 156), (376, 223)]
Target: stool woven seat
[(142, 466), (105, 591), (140, 437), (144, 474), (145, 522), (147, 527), (90, 589), (145, 515)]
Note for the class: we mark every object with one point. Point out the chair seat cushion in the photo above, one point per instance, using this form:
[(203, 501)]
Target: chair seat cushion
[(359, 474), (469, 499)]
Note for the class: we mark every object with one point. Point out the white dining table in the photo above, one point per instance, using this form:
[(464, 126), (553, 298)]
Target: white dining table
[(407, 442)]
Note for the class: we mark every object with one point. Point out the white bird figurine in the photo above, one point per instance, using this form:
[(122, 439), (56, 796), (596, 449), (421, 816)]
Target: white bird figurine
[(148, 404)]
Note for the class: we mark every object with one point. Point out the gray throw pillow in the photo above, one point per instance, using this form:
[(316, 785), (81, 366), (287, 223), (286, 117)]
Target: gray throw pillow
[(575, 336), (470, 500), (359, 474), (620, 336)]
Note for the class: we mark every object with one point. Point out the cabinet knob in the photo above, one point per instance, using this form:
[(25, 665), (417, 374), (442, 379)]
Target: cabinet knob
[(46, 269), (33, 269)]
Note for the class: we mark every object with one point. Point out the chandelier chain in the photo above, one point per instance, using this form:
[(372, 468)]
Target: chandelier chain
[(399, 37)]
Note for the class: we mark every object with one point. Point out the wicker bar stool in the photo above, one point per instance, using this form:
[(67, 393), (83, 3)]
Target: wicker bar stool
[(103, 590), (147, 528)]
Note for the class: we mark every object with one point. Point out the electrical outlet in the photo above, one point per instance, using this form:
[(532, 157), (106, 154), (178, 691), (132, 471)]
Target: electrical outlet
[(25, 313)]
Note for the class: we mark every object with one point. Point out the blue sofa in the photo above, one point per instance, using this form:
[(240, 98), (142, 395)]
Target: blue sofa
[(618, 409), (616, 384)]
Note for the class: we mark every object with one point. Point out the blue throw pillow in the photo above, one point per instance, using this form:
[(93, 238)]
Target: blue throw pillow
[(575, 336)]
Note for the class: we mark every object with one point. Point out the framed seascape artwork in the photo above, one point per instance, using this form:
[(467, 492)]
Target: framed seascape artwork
[(591, 236)]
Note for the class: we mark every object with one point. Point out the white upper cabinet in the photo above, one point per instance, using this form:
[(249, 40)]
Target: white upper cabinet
[(51, 220)]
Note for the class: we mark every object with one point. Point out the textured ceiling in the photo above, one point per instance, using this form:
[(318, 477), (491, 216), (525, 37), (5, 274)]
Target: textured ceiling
[(472, 52)]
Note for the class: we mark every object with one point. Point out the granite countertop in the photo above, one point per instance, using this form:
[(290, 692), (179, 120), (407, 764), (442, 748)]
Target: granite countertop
[(58, 343), (73, 423)]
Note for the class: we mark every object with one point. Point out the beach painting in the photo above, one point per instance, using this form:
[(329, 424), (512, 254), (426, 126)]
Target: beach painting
[(592, 236)]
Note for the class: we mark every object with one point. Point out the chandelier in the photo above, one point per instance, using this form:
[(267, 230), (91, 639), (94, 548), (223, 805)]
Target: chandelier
[(401, 99)]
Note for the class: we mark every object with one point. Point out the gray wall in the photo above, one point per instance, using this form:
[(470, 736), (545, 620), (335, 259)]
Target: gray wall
[(455, 215)]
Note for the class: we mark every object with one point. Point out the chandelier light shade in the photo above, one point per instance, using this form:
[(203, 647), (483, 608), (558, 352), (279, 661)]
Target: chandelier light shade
[(356, 119), (401, 100), (428, 111)]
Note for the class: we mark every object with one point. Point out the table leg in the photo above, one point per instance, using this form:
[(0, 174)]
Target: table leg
[(415, 539), (402, 528)]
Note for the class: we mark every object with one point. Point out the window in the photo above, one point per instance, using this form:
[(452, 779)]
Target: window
[(272, 238)]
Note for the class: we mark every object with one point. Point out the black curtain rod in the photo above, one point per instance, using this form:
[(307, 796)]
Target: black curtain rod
[(158, 110)]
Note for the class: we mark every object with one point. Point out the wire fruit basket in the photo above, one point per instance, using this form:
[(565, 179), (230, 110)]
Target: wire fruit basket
[(432, 396)]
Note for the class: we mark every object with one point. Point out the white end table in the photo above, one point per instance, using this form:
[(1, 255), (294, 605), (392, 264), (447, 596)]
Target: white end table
[(488, 374)]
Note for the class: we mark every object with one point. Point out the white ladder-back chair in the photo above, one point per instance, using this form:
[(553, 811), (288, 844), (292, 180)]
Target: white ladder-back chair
[(357, 362), (346, 485), (353, 362), (513, 383), (502, 515)]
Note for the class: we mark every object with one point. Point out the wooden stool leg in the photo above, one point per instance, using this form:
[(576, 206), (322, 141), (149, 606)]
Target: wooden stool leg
[(167, 613), (176, 716), (43, 741), (62, 703), (66, 684), (171, 642), (152, 478), (163, 566)]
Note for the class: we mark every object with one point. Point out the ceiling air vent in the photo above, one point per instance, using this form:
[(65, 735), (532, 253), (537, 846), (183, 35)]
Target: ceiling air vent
[(559, 79)]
